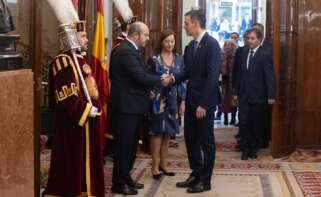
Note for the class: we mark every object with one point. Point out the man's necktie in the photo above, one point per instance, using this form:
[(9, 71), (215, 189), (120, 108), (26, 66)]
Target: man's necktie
[(251, 58)]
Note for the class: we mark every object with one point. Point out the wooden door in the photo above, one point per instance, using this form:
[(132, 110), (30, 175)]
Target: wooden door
[(282, 32), (158, 15), (308, 76), (37, 69)]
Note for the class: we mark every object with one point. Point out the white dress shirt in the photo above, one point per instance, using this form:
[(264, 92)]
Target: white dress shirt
[(248, 56), (199, 38)]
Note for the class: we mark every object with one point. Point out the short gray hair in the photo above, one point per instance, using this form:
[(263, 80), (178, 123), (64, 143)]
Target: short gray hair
[(258, 26), (134, 28)]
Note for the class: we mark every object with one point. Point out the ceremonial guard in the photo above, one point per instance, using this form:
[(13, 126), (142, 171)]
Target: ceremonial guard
[(76, 167)]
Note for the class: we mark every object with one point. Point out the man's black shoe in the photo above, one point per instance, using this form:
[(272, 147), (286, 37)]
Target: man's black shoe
[(190, 181), (198, 188), (253, 156), (207, 187), (136, 185), (125, 190), (245, 156), (157, 176)]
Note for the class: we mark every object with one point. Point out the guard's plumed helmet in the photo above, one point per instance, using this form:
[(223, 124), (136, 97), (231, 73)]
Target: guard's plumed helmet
[(69, 23)]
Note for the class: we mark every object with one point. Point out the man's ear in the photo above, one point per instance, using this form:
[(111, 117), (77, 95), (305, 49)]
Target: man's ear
[(196, 23)]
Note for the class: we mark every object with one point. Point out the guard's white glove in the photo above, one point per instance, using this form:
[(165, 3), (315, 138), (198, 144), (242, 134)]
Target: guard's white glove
[(93, 112)]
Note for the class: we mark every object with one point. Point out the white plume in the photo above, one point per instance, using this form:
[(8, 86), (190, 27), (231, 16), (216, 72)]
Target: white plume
[(64, 11), (124, 9)]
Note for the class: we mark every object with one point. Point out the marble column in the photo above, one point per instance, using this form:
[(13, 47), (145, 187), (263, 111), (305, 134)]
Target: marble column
[(16, 134)]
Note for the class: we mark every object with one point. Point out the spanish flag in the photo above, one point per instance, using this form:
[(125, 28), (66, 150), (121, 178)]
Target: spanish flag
[(75, 3), (99, 65)]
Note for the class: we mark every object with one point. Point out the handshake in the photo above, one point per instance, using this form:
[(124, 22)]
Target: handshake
[(167, 80)]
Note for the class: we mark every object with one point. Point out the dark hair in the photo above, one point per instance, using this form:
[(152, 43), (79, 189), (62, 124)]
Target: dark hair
[(164, 34), (134, 28), (258, 26), (124, 26), (197, 15), (245, 33), (235, 34), (258, 33)]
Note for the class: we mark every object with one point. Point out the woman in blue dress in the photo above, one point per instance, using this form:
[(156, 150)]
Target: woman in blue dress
[(167, 102)]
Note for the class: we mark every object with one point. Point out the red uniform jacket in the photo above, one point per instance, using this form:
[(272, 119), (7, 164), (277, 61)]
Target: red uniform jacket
[(76, 167)]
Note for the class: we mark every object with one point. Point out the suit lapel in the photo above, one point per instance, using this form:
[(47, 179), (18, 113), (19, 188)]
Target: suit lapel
[(142, 62), (245, 56), (190, 56), (255, 57), (199, 48)]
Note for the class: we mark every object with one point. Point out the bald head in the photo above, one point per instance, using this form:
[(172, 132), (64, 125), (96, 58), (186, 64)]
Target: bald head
[(138, 33), (136, 27)]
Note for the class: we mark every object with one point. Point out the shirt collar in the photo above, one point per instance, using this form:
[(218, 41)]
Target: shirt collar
[(132, 43), (262, 42), (199, 38), (254, 50)]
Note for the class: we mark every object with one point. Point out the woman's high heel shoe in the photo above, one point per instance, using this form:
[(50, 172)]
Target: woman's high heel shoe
[(157, 176), (166, 173)]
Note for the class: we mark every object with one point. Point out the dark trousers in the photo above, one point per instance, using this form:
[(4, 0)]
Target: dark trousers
[(266, 135), (252, 125), (200, 143), (126, 135)]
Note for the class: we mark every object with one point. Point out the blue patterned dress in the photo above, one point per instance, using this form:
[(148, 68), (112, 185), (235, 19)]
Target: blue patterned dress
[(164, 107)]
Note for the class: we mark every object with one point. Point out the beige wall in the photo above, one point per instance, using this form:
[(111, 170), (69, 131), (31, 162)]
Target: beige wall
[(187, 5)]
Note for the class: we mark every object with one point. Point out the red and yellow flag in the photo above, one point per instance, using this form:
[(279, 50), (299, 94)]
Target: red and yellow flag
[(75, 3), (99, 65)]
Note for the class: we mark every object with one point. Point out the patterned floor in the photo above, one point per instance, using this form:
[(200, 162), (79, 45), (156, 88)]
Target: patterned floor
[(231, 179), (298, 175)]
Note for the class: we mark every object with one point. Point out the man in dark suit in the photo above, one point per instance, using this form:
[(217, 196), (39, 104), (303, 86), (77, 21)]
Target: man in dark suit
[(256, 89), (235, 81), (202, 59), (129, 99), (266, 132)]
